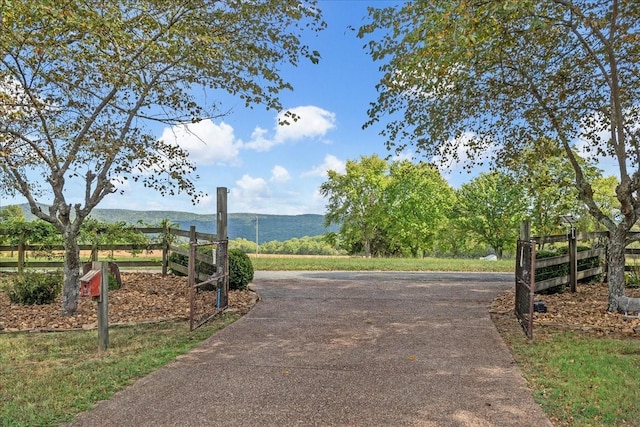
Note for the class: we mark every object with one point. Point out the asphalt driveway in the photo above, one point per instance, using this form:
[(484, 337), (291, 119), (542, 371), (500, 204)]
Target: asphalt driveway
[(343, 349)]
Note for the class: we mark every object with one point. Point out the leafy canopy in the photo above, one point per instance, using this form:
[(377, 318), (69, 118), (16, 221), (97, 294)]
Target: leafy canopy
[(84, 85), (491, 207), (474, 79), (478, 79)]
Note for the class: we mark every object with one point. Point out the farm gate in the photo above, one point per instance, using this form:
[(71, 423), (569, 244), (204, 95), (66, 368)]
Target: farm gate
[(525, 284)]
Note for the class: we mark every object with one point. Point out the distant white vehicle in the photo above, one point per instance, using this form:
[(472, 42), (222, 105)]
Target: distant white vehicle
[(489, 258)]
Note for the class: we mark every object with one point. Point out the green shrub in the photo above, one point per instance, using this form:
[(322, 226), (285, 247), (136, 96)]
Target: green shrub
[(113, 283), (35, 288), (240, 270)]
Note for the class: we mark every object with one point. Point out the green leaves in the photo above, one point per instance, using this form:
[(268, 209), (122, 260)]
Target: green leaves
[(90, 81), (501, 70), (84, 85), (387, 208), (491, 207)]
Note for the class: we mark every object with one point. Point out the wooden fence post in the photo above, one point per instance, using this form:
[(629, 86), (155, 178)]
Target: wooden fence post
[(165, 247), (525, 230), (21, 257), (103, 305), (94, 251), (221, 230), (573, 259)]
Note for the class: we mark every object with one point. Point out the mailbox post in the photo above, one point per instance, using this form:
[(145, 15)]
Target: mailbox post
[(95, 284)]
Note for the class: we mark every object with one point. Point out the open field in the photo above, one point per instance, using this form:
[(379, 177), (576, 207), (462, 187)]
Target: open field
[(328, 263), (283, 262)]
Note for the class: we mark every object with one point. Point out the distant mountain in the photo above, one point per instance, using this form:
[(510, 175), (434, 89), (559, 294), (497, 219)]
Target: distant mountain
[(240, 225)]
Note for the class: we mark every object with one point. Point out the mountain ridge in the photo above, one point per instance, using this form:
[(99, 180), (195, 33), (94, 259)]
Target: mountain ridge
[(240, 225)]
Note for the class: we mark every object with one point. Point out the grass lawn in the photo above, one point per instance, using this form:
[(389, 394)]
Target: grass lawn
[(320, 263), (47, 378), (581, 380)]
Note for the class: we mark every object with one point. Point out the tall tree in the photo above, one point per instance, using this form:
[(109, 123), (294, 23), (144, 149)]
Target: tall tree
[(492, 206), (418, 201), (82, 85), (547, 178), (508, 72), (355, 200)]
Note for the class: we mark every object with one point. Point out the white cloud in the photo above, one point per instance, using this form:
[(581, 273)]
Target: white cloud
[(280, 174), (331, 162), (313, 123), (206, 142), (259, 141), (318, 201), (251, 188)]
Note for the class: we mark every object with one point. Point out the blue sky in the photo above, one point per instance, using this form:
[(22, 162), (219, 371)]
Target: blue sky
[(271, 169)]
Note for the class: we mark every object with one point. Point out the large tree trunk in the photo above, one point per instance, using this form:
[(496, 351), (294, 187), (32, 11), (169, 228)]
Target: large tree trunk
[(70, 287), (367, 248), (615, 265)]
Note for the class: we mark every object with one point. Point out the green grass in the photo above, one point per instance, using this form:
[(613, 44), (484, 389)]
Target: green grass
[(274, 262), (582, 380), (45, 379)]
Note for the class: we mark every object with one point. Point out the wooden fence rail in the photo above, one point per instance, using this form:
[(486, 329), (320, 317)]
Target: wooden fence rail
[(573, 256), (55, 253)]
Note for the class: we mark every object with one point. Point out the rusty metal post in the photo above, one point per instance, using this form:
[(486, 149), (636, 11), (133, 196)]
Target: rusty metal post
[(192, 275), (525, 285), (165, 247), (532, 285)]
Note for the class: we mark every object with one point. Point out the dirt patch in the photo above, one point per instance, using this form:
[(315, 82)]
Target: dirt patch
[(144, 297), (584, 310)]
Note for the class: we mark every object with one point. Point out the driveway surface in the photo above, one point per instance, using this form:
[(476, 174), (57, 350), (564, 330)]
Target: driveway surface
[(343, 349)]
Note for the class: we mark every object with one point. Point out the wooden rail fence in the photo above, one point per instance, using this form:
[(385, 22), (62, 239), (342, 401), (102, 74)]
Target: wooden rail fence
[(22, 253), (576, 271)]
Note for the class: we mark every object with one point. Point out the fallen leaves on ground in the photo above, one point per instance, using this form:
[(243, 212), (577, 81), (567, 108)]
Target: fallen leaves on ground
[(144, 297), (585, 310)]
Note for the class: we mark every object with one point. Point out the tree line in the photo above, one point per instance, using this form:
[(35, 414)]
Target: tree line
[(403, 208)]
